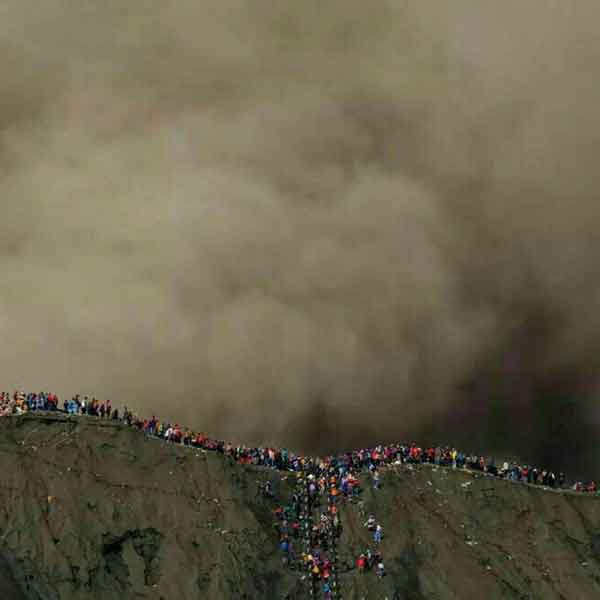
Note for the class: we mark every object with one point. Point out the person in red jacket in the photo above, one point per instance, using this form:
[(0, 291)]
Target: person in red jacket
[(361, 563)]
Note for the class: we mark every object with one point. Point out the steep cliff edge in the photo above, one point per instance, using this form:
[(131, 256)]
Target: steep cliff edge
[(91, 509)]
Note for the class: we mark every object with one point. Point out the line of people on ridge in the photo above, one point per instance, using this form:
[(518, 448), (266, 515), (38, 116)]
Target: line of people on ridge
[(371, 458), (20, 402)]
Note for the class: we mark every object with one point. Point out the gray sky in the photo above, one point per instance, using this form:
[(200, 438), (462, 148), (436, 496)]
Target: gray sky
[(246, 217)]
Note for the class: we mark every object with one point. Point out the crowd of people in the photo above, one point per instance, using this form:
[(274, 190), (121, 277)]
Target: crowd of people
[(369, 560), (370, 459), (311, 520), (19, 402), (308, 526), (307, 543)]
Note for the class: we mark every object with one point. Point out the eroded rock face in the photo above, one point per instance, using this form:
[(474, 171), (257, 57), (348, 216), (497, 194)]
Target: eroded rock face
[(91, 509)]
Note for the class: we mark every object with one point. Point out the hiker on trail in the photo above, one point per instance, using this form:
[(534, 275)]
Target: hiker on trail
[(376, 482), (378, 534), (361, 563), (380, 570), (296, 529), (336, 523), (8, 405), (371, 523), (268, 491)]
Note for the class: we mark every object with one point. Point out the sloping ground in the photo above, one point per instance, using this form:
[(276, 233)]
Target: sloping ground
[(9, 588), (90, 509), (451, 536)]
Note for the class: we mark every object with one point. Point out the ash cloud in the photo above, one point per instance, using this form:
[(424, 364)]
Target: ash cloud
[(248, 217)]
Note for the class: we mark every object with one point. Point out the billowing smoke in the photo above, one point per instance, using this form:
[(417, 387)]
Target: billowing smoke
[(314, 224)]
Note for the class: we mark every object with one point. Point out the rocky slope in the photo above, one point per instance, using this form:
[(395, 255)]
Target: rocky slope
[(91, 509)]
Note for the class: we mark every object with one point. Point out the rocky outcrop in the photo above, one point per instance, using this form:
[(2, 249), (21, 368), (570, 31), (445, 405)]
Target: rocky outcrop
[(91, 509)]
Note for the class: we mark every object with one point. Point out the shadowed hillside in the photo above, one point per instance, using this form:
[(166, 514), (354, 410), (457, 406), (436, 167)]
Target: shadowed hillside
[(92, 509)]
